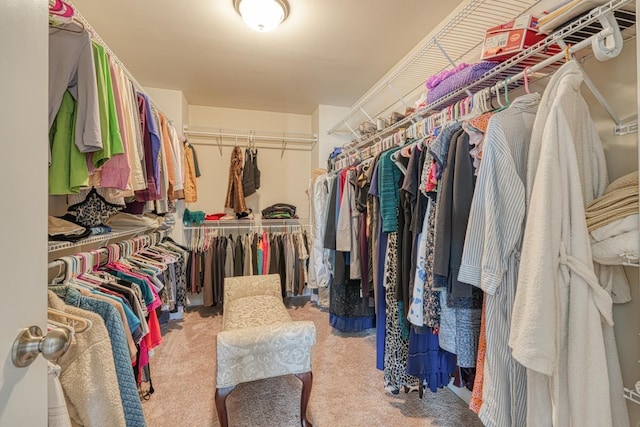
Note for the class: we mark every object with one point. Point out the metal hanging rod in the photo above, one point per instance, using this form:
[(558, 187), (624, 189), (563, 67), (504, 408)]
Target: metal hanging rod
[(248, 223), (96, 37), (243, 135)]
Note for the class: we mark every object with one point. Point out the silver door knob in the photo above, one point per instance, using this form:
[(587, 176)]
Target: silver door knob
[(30, 342)]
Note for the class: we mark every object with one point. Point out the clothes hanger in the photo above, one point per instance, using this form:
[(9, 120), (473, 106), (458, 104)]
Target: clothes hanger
[(82, 323), (60, 275), (498, 98), (506, 92), (525, 73)]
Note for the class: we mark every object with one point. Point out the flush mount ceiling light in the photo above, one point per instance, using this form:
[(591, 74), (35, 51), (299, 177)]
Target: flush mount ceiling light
[(262, 15)]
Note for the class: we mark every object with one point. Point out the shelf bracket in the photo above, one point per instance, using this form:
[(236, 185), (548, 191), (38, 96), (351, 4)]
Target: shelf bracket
[(352, 131), (397, 94), (632, 395), (366, 114), (592, 87), (451, 61), (626, 128)]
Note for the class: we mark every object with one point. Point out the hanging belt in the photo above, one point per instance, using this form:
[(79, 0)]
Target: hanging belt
[(601, 297)]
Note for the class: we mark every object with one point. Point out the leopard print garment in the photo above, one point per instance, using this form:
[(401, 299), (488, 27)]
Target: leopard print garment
[(431, 297), (395, 347)]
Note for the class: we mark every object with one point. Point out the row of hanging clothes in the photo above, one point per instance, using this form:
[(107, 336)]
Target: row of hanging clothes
[(121, 291), (104, 131), (472, 240), (220, 249)]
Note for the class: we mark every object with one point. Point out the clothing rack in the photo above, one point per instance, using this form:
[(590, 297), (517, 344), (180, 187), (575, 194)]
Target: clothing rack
[(459, 35), (139, 242), (97, 38), (99, 240), (259, 224), (270, 140), (533, 61)]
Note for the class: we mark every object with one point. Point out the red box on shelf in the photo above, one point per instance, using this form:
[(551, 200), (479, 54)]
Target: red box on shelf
[(504, 41)]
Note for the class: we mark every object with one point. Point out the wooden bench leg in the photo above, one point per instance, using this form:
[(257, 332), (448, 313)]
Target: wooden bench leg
[(221, 406), (307, 380)]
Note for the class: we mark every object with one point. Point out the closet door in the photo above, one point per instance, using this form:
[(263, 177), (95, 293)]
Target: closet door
[(23, 177)]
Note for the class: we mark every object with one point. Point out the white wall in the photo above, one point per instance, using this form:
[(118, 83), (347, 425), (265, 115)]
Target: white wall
[(283, 179), (170, 102), (175, 106), (328, 116), (315, 128)]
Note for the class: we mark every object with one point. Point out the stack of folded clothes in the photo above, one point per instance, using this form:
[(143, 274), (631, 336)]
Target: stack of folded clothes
[(279, 211), (123, 220), (448, 81), (191, 218), (66, 231), (612, 220)]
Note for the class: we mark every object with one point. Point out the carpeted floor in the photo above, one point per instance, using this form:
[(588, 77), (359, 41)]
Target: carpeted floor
[(347, 388)]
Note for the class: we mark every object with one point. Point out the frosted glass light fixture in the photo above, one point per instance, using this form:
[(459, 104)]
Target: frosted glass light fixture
[(262, 15)]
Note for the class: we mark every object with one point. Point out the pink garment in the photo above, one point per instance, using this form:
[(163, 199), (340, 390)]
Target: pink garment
[(436, 79), (156, 298), (432, 183), (265, 253), (143, 360), (116, 171)]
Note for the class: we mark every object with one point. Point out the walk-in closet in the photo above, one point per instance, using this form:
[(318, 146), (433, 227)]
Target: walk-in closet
[(320, 213)]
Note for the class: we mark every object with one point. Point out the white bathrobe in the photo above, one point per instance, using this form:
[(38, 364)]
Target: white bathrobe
[(318, 257), (562, 321)]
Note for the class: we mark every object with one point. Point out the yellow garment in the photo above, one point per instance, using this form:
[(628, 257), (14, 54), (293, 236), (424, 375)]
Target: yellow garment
[(190, 188), (235, 193), (68, 172), (168, 155)]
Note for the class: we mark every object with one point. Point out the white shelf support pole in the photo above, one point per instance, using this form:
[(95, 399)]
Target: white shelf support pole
[(397, 94), (367, 114), (451, 61), (352, 131), (592, 87)]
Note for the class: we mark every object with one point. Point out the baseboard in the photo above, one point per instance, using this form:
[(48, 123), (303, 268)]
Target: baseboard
[(462, 392)]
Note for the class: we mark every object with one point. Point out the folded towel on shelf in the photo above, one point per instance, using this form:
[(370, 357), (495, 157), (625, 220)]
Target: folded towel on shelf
[(617, 250), (61, 226), (619, 200), (616, 228), (456, 80), (126, 220)]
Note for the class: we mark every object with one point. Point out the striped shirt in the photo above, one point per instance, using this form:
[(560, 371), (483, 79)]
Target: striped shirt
[(492, 251)]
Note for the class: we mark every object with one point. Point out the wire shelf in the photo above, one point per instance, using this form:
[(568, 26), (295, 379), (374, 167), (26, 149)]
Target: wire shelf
[(575, 32), (100, 240), (251, 224), (460, 35)]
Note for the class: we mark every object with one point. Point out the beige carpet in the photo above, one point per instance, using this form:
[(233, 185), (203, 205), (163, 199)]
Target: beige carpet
[(348, 390)]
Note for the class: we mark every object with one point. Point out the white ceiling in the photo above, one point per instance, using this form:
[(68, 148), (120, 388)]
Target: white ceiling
[(326, 52)]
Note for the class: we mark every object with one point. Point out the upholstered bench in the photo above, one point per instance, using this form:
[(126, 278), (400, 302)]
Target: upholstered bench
[(259, 340)]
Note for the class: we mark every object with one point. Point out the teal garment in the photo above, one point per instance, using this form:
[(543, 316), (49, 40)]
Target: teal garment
[(68, 172), (109, 127), (193, 217), (147, 293), (260, 260), (131, 404), (389, 190), (132, 319)]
